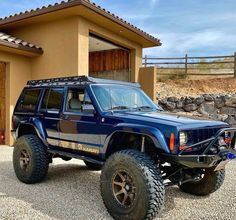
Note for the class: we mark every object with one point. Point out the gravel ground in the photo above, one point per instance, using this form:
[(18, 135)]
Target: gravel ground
[(72, 192), (196, 87)]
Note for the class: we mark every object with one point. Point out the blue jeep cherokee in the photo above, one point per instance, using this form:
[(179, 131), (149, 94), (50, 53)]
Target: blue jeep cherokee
[(115, 127)]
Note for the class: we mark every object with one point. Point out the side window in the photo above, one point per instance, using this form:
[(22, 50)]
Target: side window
[(29, 100), (52, 100), (76, 98)]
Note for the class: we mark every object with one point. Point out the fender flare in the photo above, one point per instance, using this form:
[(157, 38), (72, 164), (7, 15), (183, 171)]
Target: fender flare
[(154, 133), (37, 125)]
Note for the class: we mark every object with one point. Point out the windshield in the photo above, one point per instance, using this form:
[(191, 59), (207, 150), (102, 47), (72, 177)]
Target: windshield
[(113, 97)]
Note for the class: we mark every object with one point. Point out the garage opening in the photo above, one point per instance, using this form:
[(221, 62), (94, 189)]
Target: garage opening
[(2, 102), (108, 60)]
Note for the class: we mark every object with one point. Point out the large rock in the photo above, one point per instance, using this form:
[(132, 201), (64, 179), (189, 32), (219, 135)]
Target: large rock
[(180, 104), (190, 107), (219, 102), (162, 101), (207, 108), (218, 117), (208, 97), (172, 99), (199, 100), (228, 110), (230, 101), (230, 120), (188, 100), (170, 106)]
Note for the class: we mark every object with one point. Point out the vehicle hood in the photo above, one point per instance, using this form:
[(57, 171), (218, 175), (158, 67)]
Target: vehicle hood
[(156, 119)]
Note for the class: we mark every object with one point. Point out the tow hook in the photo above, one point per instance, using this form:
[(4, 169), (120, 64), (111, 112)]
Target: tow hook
[(231, 156), (224, 155)]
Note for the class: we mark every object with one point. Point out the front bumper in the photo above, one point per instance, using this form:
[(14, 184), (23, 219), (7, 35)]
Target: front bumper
[(196, 161), (205, 159)]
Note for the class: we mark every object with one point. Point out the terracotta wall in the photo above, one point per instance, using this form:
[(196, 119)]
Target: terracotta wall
[(2, 95), (18, 72), (147, 80), (59, 40), (66, 47)]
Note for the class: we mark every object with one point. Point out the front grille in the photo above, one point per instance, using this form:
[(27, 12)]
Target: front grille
[(198, 135)]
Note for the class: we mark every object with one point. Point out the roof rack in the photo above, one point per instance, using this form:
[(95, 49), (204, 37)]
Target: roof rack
[(75, 80)]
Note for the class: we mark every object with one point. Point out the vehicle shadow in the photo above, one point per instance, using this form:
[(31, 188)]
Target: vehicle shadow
[(174, 193), (70, 191)]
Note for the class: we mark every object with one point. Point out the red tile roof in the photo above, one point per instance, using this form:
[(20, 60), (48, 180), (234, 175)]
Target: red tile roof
[(10, 41)]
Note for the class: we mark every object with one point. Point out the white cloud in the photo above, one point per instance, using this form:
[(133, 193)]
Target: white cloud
[(178, 44)]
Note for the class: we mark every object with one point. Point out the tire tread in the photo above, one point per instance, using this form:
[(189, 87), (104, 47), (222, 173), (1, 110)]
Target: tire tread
[(152, 177), (41, 159)]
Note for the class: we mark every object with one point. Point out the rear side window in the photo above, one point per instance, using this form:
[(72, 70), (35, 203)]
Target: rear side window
[(29, 100), (52, 100)]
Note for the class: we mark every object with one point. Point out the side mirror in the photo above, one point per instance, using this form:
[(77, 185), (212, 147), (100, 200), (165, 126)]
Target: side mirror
[(88, 108)]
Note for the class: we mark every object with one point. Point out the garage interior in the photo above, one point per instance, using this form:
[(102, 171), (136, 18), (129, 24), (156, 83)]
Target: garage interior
[(2, 101), (108, 60)]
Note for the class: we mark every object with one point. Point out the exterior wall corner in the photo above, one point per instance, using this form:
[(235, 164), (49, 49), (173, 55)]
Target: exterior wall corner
[(147, 80)]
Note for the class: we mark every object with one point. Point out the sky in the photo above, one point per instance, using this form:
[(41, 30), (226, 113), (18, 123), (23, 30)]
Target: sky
[(196, 27)]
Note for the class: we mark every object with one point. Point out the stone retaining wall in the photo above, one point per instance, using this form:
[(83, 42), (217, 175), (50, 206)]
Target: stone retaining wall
[(220, 107)]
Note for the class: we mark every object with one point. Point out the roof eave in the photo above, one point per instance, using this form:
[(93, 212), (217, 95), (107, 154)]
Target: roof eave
[(20, 49), (45, 10), (155, 41)]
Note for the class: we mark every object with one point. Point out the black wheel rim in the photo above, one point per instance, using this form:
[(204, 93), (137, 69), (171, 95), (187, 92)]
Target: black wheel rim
[(24, 159), (124, 189)]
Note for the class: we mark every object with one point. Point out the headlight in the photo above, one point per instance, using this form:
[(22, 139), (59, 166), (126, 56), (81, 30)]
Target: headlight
[(183, 138)]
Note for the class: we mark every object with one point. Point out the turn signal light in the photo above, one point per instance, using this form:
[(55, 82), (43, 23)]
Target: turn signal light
[(172, 142)]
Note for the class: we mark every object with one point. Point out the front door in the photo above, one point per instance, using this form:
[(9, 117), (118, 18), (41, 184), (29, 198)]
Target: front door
[(80, 125), (50, 114)]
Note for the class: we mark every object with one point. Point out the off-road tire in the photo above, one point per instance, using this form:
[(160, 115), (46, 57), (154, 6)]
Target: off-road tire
[(211, 182), (150, 194), (38, 159), (93, 166)]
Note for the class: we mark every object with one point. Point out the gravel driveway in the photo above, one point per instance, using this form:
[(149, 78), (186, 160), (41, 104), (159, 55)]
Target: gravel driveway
[(72, 192)]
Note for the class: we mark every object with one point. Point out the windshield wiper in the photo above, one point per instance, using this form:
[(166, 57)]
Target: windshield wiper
[(145, 107), (120, 107)]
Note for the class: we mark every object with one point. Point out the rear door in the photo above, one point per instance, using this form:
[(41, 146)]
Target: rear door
[(50, 113)]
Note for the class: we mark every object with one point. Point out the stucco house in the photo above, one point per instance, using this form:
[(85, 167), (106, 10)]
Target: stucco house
[(75, 37)]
